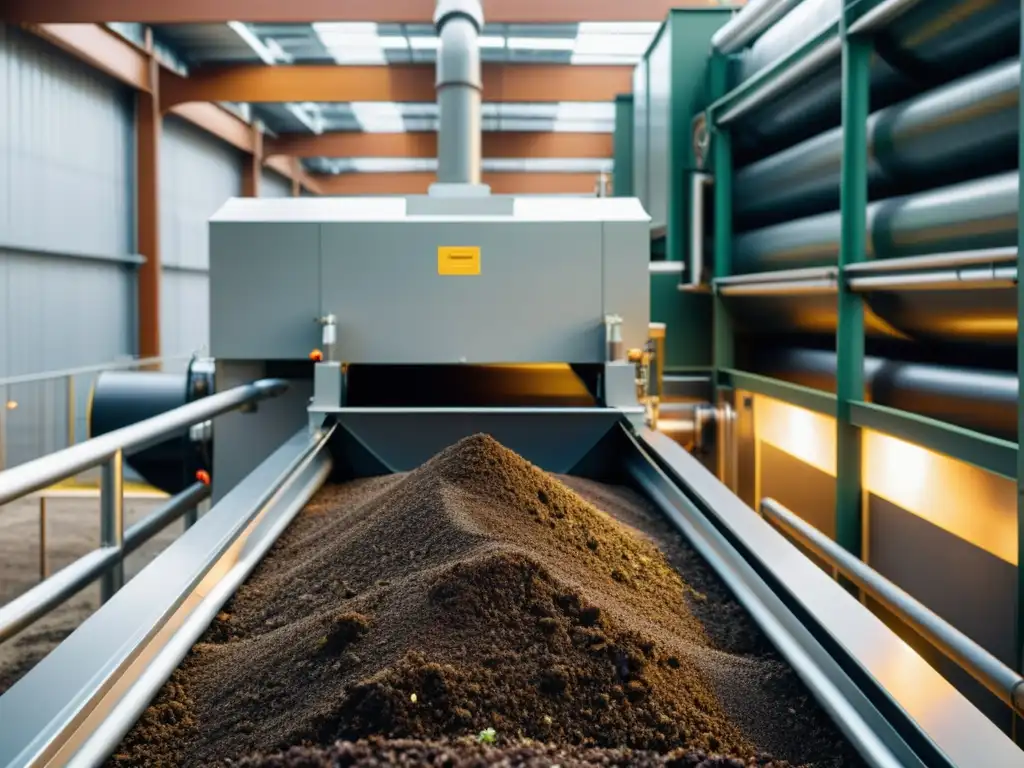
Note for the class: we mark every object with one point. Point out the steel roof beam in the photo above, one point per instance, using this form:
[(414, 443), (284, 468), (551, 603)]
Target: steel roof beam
[(304, 11), (258, 83), (511, 144), (508, 183)]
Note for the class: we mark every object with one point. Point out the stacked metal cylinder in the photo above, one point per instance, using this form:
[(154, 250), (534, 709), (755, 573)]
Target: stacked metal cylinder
[(942, 180)]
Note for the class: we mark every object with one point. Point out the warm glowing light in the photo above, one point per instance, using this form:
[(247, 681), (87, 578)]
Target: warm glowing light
[(968, 502), (975, 505), (12, 404), (804, 435), (913, 682)]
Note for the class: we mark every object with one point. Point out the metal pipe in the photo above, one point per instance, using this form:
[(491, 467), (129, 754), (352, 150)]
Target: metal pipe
[(936, 261), (752, 21), (883, 13), (40, 473), (930, 43), (973, 215), (175, 507), (963, 129), (961, 279), (31, 606), (814, 61), (809, 273), (971, 657), (698, 182), (112, 521), (67, 582), (780, 288), (982, 400), (459, 84), (121, 365), (274, 509)]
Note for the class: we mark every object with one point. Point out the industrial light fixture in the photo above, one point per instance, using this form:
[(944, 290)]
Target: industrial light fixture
[(541, 43), (257, 45), (959, 498), (423, 43), (378, 116), (309, 115), (351, 42)]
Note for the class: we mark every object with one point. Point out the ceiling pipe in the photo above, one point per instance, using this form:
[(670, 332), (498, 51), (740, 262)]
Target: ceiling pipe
[(459, 85), (751, 22)]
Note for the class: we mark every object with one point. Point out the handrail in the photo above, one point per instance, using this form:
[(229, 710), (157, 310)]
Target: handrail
[(47, 470), (109, 451), (998, 678), (66, 583), (114, 365)]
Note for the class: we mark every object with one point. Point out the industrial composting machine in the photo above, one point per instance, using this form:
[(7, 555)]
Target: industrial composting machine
[(723, 464)]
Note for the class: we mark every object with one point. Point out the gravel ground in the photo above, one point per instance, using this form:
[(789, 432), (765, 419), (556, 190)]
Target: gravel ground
[(72, 531)]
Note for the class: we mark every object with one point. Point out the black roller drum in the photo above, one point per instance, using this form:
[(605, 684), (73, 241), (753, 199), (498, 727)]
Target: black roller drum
[(122, 398)]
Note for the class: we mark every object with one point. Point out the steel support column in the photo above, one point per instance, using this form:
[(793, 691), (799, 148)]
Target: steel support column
[(148, 127), (856, 59), (252, 168), (721, 158)]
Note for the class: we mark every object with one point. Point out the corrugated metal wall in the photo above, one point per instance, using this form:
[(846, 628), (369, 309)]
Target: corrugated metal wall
[(275, 185), (66, 285), (197, 174)]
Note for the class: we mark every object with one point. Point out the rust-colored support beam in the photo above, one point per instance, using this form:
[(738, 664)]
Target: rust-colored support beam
[(285, 11), (252, 165), (417, 183), (108, 52), (510, 144), (216, 120), (148, 127), (413, 83), (102, 49), (291, 168)]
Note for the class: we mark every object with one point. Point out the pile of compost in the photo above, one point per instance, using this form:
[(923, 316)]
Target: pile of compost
[(478, 597)]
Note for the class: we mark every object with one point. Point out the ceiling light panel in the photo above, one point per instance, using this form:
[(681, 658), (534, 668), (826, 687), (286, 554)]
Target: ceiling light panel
[(253, 41), (648, 28), (351, 43), (422, 43), (541, 43), (378, 116)]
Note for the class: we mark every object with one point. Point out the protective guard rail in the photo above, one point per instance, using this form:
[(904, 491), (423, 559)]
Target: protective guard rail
[(998, 678), (109, 450)]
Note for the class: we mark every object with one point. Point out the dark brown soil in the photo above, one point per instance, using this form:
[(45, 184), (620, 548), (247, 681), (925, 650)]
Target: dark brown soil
[(479, 592), (468, 754)]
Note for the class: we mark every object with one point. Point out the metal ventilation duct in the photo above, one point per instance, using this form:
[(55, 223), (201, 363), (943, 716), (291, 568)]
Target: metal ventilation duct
[(459, 86)]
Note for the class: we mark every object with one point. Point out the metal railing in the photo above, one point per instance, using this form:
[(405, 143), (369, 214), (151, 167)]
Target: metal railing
[(44, 395), (108, 451), (998, 678)]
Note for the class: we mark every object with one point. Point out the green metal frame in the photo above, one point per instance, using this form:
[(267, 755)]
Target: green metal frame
[(856, 68), (723, 345), (794, 394), (622, 147), (847, 405), (983, 451)]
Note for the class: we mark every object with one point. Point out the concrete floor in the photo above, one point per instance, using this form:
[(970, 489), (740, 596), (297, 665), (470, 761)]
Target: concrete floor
[(72, 531)]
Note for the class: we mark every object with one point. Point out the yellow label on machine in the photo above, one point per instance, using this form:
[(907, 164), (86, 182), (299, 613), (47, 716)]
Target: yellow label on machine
[(458, 260)]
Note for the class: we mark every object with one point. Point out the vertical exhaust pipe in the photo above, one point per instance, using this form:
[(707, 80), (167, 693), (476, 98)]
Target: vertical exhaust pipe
[(459, 85)]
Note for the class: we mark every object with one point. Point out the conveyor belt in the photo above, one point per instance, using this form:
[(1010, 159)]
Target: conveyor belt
[(76, 706)]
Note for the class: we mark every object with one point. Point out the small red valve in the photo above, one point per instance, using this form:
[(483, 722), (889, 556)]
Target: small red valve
[(316, 356), (203, 477)]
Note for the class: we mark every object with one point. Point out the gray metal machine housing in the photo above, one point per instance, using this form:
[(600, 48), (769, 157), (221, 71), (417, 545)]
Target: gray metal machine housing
[(548, 272)]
